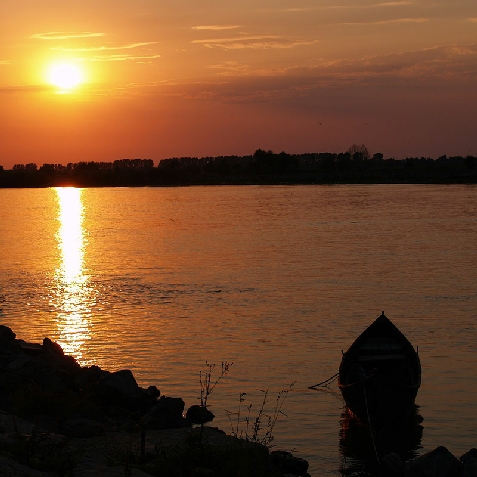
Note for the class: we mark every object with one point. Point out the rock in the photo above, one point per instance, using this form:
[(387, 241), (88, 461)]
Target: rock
[(33, 349), (6, 334), (18, 361), (122, 389), (153, 392), (53, 354), (287, 462), (199, 414), (81, 427), (391, 465), (166, 414), (49, 372), (8, 343), (52, 347), (40, 381), (437, 463), (468, 463), (88, 377)]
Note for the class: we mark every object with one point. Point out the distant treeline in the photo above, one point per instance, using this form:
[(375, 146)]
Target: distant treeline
[(263, 167)]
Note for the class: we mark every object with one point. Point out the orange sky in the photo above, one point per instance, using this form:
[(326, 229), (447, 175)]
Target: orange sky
[(196, 78)]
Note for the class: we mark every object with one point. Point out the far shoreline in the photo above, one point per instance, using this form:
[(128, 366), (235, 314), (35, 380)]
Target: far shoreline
[(261, 168)]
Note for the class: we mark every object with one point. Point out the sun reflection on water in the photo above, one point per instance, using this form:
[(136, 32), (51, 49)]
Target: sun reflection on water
[(75, 295)]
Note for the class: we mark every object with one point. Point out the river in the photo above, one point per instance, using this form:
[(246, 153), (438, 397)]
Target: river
[(277, 280)]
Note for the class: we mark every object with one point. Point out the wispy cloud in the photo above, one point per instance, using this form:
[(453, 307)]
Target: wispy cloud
[(387, 22), (4, 62), (238, 82), (216, 27), (24, 88), (58, 35), (393, 4), (458, 62), (231, 67), (120, 58), (300, 9), (472, 20), (112, 48), (128, 46), (430, 66), (234, 68), (259, 42), (396, 3), (404, 20)]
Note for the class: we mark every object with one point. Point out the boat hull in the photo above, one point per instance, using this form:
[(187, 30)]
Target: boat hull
[(379, 400), (380, 374)]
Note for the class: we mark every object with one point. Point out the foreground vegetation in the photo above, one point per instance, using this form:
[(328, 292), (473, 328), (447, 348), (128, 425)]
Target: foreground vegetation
[(263, 167)]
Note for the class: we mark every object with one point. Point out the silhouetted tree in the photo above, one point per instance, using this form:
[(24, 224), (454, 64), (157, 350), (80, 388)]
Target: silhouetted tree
[(359, 152), (344, 161), (470, 163), (261, 167)]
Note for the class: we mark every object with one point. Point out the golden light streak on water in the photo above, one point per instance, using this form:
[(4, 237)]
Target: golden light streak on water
[(74, 293)]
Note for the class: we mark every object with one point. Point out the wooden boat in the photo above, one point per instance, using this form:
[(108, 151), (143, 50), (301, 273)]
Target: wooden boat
[(380, 374)]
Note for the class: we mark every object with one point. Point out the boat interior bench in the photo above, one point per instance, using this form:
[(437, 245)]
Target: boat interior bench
[(381, 357), (380, 351)]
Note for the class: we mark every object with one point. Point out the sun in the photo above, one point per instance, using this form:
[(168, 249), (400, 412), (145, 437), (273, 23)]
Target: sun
[(65, 76)]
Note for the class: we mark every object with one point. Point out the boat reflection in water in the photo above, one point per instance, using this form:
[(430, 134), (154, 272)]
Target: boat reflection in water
[(73, 295), (362, 448)]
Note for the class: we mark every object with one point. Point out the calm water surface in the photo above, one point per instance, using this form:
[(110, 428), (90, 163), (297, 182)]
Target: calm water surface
[(277, 280)]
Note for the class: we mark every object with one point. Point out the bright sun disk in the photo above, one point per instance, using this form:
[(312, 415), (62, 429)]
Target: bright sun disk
[(65, 76)]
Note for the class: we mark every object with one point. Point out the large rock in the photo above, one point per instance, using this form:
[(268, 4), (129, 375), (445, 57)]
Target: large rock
[(468, 464), (166, 414), (437, 463), (40, 381), (8, 343), (121, 388), (6, 334), (199, 414), (51, 372), (52, 347), (53, 355), (391, 465), (88, 377), (288, 463)]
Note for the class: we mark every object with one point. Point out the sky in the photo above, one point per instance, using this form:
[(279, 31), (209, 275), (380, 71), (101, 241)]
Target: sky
[(159, 79)]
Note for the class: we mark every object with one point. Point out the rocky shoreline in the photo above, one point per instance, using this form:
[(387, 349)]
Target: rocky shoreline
[(437, 463), (59, 418)]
